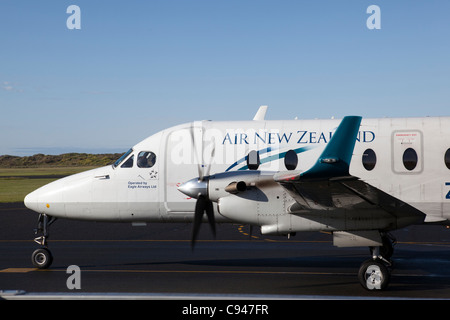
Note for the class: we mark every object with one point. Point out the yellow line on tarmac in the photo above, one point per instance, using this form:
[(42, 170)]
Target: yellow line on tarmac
[(25, 270), (18, 270), (162, 240), (11, 270), (433, 243), (224, 272)]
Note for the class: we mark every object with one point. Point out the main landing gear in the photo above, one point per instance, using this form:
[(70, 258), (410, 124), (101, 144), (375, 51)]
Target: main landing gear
[(375, 273), (42, 258)]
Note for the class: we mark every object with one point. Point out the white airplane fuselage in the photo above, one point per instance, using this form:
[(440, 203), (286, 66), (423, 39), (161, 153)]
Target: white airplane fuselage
[(407, 161)]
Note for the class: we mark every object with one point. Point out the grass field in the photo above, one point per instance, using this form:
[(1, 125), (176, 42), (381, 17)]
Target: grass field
[(16, 183), (45, 171), (15, 190)]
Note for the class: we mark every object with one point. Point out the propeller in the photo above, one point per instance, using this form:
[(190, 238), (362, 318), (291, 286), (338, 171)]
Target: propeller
[(198, 188), (203, 205)]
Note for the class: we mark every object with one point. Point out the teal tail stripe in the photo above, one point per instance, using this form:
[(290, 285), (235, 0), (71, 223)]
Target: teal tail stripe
[(335, 158)]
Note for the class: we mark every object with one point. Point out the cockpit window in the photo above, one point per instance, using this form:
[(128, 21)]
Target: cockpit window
[(128, 163), (146, 159), (122, 158)]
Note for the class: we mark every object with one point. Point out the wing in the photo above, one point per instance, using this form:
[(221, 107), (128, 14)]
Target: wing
[(329, 186)]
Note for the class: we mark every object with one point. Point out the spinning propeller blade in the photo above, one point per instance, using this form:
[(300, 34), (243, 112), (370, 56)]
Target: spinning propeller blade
[(202, 206), (199, 189)]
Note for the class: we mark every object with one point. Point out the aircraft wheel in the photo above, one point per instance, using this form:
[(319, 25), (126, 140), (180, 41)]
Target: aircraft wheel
[(374, 275), (42, 258)]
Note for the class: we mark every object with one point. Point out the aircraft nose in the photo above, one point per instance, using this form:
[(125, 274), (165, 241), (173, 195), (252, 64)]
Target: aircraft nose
[(31, 201), (47, 199)]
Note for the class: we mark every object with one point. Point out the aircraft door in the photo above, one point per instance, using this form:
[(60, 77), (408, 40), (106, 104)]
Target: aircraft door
[(180, 166), (407, 152)]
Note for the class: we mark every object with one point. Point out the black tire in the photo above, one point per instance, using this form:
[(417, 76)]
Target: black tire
[(42, 258), (373, 275)]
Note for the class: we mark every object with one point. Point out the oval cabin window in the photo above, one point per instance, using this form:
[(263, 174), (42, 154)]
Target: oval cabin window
[(410, 159), (369, 159), (447, 158)]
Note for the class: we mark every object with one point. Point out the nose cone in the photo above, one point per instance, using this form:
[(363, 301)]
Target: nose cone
[(72, 196), (31, 201), (194, 188), (46, 199)]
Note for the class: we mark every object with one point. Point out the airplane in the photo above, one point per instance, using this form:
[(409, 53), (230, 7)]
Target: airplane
[(357, 179)]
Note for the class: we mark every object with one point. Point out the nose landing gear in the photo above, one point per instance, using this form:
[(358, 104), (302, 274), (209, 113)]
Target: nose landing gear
[(42, 258)]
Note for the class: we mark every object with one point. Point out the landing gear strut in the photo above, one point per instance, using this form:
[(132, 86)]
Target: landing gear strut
[(42, 258), (374, 273)]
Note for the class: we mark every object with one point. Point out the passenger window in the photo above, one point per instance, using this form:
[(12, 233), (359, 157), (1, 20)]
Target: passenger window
[(410, 159), (128, 163), (146, 159), (447, 158), (369, 159)]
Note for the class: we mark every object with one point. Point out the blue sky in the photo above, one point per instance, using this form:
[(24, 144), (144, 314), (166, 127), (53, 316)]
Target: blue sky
[(136, 67)]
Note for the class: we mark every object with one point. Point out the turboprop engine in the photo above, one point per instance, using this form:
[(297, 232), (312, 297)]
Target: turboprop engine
[(239, 197)]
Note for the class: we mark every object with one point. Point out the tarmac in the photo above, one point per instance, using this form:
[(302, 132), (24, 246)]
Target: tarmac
[(156, 262)]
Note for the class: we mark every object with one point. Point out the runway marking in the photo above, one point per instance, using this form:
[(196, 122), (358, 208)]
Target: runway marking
[(226, 272), (24, 270), (259, 240), (187, 241), (18, 270), (294, 273), (245, 233)]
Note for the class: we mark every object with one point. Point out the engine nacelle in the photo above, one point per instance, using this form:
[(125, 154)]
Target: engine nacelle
[(250, 197), (239, 209)]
